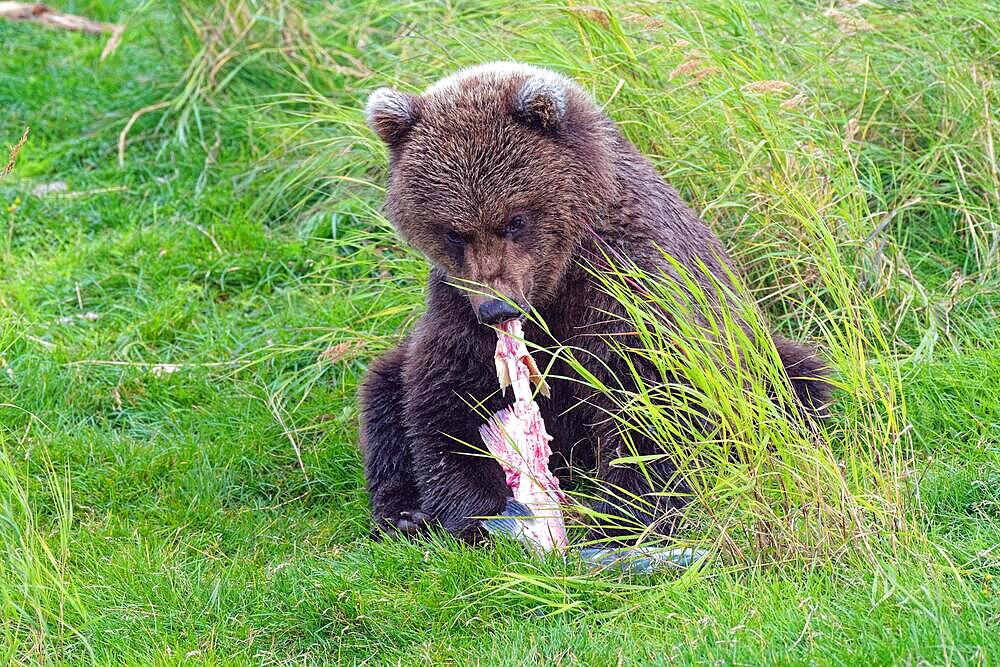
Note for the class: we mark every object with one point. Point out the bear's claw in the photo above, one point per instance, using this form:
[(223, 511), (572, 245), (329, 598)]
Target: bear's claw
[(405, 524)]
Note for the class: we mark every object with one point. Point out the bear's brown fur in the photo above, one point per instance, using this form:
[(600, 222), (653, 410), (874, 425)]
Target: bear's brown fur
[(508, 178)]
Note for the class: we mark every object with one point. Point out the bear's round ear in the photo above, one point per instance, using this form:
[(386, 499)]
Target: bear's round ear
[(541, 101), (391, 114)]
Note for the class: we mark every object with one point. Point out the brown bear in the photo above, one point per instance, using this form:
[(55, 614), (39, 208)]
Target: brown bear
[(508, 177)]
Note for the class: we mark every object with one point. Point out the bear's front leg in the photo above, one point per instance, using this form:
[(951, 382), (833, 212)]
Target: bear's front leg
[(388, 464), (450, 391)]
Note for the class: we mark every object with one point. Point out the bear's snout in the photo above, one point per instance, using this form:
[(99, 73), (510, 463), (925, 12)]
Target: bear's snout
[(496, 311)]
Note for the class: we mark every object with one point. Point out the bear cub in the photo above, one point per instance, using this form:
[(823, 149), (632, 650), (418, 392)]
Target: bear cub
[(508, 177)]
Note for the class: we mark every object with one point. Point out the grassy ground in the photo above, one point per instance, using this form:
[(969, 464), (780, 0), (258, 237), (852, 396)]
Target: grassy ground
[(181, 332)]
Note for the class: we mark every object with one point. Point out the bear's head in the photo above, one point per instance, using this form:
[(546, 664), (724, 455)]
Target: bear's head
[(496, 174)]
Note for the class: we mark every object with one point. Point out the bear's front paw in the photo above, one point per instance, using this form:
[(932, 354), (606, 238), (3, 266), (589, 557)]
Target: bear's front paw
[(406, 523)]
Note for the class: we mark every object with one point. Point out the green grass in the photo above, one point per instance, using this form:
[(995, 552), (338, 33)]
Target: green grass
[(179, 475)]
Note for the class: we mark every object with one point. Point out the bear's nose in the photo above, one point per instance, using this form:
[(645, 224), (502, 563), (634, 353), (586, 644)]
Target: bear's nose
[(497, 311)]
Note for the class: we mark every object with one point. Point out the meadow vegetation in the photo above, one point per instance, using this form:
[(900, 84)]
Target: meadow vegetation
[(194, 273)]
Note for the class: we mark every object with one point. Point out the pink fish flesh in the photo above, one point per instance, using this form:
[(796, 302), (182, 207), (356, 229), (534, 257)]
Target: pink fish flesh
[(516, 436)]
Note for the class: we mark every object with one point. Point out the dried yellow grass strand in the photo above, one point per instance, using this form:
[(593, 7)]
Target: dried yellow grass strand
[(14, 150), (113, 41)]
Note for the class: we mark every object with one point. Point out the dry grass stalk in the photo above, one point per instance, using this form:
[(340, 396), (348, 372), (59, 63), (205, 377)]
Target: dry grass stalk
[(14, 150), (123, 135), (113, 42), (37, 12)]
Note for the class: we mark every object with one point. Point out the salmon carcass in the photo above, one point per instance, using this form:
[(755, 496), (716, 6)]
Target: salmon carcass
[(516, 437)]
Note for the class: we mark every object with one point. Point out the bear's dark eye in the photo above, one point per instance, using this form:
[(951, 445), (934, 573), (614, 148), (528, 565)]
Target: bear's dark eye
[(454, 238), (515, 223)]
